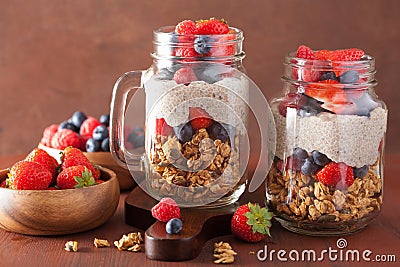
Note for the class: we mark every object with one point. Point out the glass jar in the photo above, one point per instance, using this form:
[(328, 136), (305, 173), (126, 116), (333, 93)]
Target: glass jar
[(196, 143), (327, 174)]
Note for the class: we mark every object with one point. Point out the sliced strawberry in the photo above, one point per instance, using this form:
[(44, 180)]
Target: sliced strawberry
[(162, 128), (199, 118), (186, 27), (291, 100), (323, 55), (351, 54), (330, 92), (336, 175), (186, 52)]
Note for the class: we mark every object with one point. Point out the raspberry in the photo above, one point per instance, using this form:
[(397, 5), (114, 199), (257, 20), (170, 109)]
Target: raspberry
[(336, 175), (166, 210), (65, 138), (305, 52), (88, 126), (48, 134), (212, 26), (185, 75)]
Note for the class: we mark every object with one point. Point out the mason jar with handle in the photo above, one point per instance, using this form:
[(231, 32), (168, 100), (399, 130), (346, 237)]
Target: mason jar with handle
[(196, 140)]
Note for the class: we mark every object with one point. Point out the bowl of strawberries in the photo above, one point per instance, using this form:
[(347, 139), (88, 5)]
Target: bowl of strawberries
[(44, 195), (90, 135)]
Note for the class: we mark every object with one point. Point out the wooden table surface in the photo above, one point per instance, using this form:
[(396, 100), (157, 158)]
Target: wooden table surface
[(381, 237)]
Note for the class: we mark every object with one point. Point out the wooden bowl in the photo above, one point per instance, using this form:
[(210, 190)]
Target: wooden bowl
[(58, 212), (105, 159)]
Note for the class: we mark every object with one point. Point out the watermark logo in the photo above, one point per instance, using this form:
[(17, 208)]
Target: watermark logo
[(339, 253)]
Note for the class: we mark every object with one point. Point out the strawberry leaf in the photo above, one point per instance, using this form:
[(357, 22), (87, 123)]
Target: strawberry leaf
[(85, 180), (259, 219)]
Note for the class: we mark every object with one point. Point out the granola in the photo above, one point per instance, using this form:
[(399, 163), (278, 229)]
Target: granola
[(100, 243), (302, 198), (205, 166), (71, 246)]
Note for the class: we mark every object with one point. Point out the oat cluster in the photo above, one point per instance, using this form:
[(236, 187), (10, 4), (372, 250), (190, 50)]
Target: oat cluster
[(224, 253), (130, 242)]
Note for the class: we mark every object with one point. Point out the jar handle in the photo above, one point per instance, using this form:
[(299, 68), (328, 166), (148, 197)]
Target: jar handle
[(129, 83)]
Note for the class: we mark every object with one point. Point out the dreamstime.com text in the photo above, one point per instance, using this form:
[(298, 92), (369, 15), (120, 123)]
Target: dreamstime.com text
[(339, 253)]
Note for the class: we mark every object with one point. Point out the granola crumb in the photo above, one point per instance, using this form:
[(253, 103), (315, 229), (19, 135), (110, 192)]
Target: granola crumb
[(71, 246), (101, 243), (130, 242), (252, 252), (224, 253)]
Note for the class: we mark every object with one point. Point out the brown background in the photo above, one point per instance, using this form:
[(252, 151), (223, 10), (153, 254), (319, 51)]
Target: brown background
[(60, 56)]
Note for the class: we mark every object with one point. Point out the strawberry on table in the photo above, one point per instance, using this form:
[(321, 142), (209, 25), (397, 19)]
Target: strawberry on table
[(41, 157), (26, 175), (73, 157), (336, 175), (166, 210), (251, 223), (199, 118), (75, 177)]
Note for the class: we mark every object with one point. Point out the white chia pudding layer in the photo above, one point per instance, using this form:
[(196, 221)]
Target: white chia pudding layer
[(351, 139), (225, 101)]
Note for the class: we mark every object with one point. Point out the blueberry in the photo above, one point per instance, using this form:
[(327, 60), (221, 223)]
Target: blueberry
[(173, 226), (319, 158), (184, 133), (136, 138), (100, 133), (68, 125), (78, 118), (211, 72), (92, 145), (300, 153), (105, 119), (309, 167), (329, 75), (350, 76), (365, 104), (220, 131), (202, 44), (360, 172), (105, 145)]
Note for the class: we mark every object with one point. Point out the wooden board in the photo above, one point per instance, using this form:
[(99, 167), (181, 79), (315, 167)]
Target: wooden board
[(199, 225)]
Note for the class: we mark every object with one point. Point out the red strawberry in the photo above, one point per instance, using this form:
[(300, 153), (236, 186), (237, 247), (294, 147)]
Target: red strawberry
[(185, 75), (75, 177), (41, 157), (65, 138), (329, 92), (48, 134), (26, 175), (305, 52), (336, 175), (186, 27), (251, 223), (199, 118), (212, 26), (88, 126), (73, 157), (162, 128), (166, 210)]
